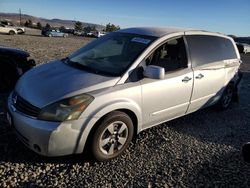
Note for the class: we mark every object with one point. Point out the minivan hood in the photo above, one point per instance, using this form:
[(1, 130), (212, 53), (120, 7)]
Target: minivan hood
[(53, 81)]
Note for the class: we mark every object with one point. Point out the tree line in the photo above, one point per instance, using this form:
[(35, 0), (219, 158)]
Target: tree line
[(109, 27), (78, 26)]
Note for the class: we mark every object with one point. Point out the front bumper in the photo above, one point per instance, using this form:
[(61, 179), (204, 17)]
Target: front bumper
[(47, 138)]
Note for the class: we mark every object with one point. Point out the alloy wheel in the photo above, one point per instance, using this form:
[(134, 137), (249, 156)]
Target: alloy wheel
[(113, 138)]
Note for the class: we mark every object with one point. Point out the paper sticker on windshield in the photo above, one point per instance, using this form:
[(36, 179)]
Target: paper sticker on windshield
[(140, 40)]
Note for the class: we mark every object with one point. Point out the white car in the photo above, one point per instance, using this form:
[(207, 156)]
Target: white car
[(98, 34), (246, 48), (4, 29), (20, 30), (90, 34)]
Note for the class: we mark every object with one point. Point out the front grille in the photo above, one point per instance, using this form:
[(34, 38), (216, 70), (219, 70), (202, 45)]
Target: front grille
[(24, 106)]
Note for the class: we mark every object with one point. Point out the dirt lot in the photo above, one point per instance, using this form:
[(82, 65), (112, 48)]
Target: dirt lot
[(41, 48), (200, 149)]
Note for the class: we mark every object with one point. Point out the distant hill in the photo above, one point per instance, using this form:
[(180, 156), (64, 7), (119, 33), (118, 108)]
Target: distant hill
[(14, 18)]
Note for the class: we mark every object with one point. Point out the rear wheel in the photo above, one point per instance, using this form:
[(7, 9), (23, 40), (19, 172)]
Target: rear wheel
[(112, 136), (20, 31), (227, 97)]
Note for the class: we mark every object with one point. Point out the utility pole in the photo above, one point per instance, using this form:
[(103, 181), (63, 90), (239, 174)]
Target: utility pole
[(20, 17)]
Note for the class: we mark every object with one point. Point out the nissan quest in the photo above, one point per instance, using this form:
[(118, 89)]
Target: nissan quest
[(111, 89)]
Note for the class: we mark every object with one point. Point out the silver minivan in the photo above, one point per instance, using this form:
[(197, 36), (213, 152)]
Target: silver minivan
[(108, 91)]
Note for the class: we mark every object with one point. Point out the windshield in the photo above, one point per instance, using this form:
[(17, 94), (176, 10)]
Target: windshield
[(112, 54)]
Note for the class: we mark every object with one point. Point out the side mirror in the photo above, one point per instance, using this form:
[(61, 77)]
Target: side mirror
[(154, 72), (246, 152)]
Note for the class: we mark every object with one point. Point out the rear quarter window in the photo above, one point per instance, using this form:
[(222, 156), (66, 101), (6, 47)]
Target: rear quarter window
[(206, 49)]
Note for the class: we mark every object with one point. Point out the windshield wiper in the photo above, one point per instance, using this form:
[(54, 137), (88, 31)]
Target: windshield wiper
[(65, 59), (69, 62), (79, 65), (86, 68)]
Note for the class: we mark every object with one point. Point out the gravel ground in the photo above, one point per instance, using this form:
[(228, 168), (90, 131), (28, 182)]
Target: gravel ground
[(198, 150)]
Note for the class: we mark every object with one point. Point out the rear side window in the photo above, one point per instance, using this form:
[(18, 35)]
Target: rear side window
[(208, 49)]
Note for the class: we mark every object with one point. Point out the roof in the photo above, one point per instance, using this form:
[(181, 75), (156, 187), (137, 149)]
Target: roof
[(154, 31), (16, 51)]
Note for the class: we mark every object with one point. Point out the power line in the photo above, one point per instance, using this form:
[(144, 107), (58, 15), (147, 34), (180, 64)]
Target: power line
[(20, 16)]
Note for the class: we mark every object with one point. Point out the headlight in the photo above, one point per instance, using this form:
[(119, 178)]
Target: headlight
[(66, 109)]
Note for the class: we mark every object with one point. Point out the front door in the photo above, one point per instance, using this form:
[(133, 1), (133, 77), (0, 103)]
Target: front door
[(167, 98)]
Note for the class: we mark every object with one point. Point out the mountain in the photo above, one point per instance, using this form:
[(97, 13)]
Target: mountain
[(15, 19)]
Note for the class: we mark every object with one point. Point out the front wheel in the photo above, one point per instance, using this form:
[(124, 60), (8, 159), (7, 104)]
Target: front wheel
[(112, 136), (11, 32)]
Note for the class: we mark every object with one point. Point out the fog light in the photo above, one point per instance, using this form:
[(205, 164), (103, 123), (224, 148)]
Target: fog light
[(37, 148)]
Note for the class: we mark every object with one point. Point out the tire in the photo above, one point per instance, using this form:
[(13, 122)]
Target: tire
[(246, 152), (8, 78), (11, 32), (112, 136), (50, 35), (227, 97)]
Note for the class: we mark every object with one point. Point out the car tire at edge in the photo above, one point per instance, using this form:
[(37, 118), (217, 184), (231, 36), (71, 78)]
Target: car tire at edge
[(227, 97), (112, 136)]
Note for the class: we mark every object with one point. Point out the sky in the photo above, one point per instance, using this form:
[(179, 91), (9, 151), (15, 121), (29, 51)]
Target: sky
[(225, 16)]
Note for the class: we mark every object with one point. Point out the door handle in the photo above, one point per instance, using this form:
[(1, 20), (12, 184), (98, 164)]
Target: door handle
[(186, 79), (199, 76)]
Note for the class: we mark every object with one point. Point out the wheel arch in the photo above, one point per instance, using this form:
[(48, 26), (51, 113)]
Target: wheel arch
[(85, 143), (129, 112), (11, 30), (234, 81), (233, 85)]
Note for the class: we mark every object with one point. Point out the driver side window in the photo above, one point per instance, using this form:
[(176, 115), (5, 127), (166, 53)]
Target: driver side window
[(171, 55)]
